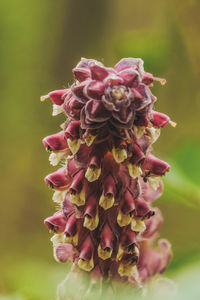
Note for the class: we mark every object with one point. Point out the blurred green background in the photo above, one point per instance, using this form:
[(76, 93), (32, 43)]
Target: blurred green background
[(41, 41)]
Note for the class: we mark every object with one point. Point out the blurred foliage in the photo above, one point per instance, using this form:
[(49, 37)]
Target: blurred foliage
[(41, 41)]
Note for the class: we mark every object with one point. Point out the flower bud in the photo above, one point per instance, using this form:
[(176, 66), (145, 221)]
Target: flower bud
[(98, 72), (105, 247), (55, 142), (142, 208), (72, 136), (57, 96), (155, 165), (91, 219), (94, 168), (159, 119), (81, 74), (56, 223), (107, 198), (77, 190), (86, 261), (71, 231), (58, 179), (94, 89)]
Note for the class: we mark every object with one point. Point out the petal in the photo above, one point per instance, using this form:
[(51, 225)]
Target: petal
[(57, 222), (81, 74), (126, 63), (58, 179), (155, 165), (142, 96), (124, 116), (72, 130), (96, 112), (57, 96), (72, 107), (55, 142), (94, 89), (129, 76), (159, 119), (98, 72)]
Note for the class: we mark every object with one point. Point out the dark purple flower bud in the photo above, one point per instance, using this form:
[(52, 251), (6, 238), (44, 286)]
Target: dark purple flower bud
[(67, 207), (128, 205), (86, 261), (72, 130), (126, 63), (155, 165), (77, 182), (129, 76), (70, 229), (107, 198), (57, 97), (142, 208), (57, 222), (148, 79), (78, 90), (142, 96), (137, 154), (128, 240), (81, 74), (58, 179), (96, 112), (159, 119), (73, 107), (98, 72), (105, 247), (55, 142), (94, 89)]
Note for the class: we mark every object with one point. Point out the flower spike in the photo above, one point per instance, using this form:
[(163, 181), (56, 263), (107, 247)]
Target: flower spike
[(109, 178)]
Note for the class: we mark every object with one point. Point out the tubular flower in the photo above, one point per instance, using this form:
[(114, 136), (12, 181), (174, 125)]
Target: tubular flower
[(109, 178)]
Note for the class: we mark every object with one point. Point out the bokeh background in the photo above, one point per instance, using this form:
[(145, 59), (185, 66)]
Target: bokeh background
[(41, 41)]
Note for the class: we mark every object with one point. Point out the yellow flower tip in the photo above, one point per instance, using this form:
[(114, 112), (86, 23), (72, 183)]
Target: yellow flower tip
[(163, 81), (134, 170), (173, 124), (139, 131), (89, 139), (120, 253), (78, 199), (106, 201), (91, 223), (75, 239), (92, 173), (119, 154), (123, 220), (74, 145), (43, 98), (126, 268), (86, 265), (154, 182), (68, 239), (138, 225), (104, 253)]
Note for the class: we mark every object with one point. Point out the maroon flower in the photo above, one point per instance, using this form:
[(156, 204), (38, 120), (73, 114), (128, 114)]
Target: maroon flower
[(106, 224)]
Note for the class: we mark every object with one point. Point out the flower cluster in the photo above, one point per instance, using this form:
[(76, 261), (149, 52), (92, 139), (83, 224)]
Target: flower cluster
[(109, 176)]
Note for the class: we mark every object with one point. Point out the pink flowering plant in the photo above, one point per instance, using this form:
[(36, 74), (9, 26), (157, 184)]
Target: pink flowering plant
[(108, 176)]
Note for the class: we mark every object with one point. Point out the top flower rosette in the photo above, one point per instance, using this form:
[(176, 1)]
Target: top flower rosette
[(119, 96)]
